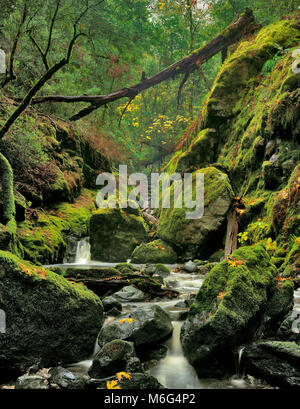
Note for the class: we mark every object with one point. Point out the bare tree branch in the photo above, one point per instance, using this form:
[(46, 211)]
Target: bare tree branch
[(242, 26)]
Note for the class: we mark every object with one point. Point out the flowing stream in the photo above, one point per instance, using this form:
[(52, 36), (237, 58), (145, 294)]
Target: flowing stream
[(173, 371)]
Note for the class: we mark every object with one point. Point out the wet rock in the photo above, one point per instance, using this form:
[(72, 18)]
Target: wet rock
[(129, 294), (114, 312), (151, 324), (181, 304), (276, 362), (152, 353), (289, 330), (136, 381), (111, 302), (146, 324), (31, 382), (112, 358), (156, 251), (66, 379), (134, 365), (162, 271), (140, 381), (190, 267), (115, 330)]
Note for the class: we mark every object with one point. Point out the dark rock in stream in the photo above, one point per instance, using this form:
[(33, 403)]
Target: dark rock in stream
[(66, 379), (31, 382), (110, 302), (190, 267), (289, 327), (114, 357), (274, 361), (136, 381), (129, 294), (146, 324)]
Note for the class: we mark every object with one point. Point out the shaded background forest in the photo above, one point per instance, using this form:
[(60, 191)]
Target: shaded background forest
[(123, 39)]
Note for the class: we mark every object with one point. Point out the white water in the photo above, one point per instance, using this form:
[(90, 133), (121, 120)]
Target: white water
[(83, 251), (174, 371)]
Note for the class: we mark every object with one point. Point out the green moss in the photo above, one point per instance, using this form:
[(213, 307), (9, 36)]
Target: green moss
[(114, 233), (175, 228), (66, 316), (154, 252), (44, 239), (7, 183)]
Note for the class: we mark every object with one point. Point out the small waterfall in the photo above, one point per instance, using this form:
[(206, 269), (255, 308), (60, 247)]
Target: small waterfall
[(174, 371), (83, 251), (240, 352)]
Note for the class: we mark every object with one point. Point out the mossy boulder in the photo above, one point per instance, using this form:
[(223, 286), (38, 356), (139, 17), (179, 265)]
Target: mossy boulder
[(114, 233), (48, 319), (232, 307), (156, 251), (201, 153), (199, 237)]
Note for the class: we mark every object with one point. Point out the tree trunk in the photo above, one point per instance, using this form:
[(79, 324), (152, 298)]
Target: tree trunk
[(7, 183), (232, 232)]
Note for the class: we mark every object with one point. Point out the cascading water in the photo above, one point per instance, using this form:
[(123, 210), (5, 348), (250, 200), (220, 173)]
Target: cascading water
[(174, 371), (83, 251)]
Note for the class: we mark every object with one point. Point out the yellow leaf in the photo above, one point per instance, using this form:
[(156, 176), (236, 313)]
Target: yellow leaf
[(162, 5), (129, 320), (121, 374), (112, 385)]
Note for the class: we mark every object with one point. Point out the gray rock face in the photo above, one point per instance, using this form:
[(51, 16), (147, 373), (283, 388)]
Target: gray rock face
[(115, 330), (112, 358), (129, 294), (276, 362), (31, 382), (66, 379), (111, 302), (150, 324), (190, 267)]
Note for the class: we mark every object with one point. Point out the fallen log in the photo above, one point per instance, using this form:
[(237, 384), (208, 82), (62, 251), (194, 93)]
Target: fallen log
[(244, 24), (107, 286)]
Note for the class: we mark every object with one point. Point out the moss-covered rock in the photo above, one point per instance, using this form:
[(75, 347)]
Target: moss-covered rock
[(199, 234), (45, 233), (156, 251), (232, 306), (114, 233), (48, 319)]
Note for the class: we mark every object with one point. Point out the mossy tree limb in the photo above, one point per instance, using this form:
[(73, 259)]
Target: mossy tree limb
[(7, 183), (243, 25)]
